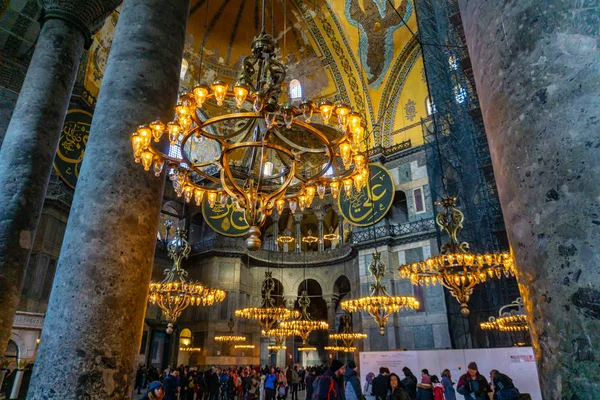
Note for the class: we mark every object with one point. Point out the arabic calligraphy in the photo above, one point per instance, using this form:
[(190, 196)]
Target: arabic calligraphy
[(72, 144), (371, 204), (225, 219)]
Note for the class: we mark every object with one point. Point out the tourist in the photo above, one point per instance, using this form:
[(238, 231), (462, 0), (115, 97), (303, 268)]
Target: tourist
[(449, 392), (270, 384), (167, 371), (295, 382), (171, 385), (138, 379), (331, 386), (352, 383), (410, 383), (473, 385), (424, 388), (302, 375), (281, 391), (213, 383), (380, 385), (309, 380), (504, 388), (155, 391), (438, 388), (397, 392)]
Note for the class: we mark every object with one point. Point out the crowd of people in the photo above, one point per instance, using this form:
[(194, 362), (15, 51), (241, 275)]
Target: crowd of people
[(336, 382)]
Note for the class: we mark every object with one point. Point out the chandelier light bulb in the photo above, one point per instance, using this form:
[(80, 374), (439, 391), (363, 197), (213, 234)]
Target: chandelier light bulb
[(181, 110), (259, 102), (198, 195), (348, 186), (346, 154), (147, 159), (174, 130), (145, 133), (159, 164), (321, 190), (212, 199), (307, 108), (302, 202), (223, 199), (359, 182), (342, 112), (280, 203), (293, 205), (310, 195), (270, 120), (326, 109), (188, 192), (359, 162), (354, 121), (200, 94), (219, 89), (137, 146), (157, 130), (240, 91), (335, 187), (288, 116)]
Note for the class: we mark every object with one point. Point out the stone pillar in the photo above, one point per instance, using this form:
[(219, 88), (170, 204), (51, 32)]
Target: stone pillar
[(320, 217), (93, 325), (32, 137), (536, 75), (341, 228), (275, 218), (297, 220), (331, 303)]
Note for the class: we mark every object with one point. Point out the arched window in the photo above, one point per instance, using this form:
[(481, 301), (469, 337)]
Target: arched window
[(295, 90)]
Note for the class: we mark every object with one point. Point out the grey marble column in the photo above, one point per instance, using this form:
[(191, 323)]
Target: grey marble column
[(537, 67), (275, 218), (320, 217), (94, 321), (331, 303), (32, 137), (297, 220)]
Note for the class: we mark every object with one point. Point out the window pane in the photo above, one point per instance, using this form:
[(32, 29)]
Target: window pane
[(419, 200)]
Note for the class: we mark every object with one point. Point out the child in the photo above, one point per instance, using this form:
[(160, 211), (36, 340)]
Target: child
[(281, 391), (438, 388)]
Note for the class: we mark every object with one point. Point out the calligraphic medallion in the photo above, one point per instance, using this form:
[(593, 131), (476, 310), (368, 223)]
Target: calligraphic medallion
[(71, 147), (371, 204), (225, 219)]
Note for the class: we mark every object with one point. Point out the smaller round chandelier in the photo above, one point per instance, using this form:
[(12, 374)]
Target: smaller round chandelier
[(190, 349), (456, 267), (341, 349), (511, 318), (307, 348), (230, 338), (347, 336), (174, 293), (276, 347), (331, 235), (267, 314), (244, 346), (310, 238), (304, 325), (285, 239), (379, 304)]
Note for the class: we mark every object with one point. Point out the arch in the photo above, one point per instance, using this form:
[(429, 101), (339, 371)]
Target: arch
[(185, 337), (298, 282), (341, 287), (398, 213), (313, 287), (295, 90), (22, 348)]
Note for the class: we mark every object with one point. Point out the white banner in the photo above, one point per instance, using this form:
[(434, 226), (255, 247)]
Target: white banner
[(516, 362)]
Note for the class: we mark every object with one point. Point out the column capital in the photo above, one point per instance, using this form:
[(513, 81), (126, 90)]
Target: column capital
[(320, 214), (298, 217), (331, 300), (87, 16), (289, 301)]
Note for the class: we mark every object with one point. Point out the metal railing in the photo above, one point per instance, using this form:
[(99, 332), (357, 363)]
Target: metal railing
[(394, 231)]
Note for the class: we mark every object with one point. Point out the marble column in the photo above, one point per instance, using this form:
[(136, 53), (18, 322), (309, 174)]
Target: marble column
[(320, 218), (275, 218), (32, 137), (536, 66), (331, 304), (95, 316), (298, 220), (341, 228)]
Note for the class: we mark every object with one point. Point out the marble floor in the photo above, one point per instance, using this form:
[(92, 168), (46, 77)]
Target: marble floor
[(301, 395)]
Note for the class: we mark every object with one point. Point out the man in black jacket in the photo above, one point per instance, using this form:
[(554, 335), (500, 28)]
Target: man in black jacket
[(380, 387), (410, 383), (331, 386)]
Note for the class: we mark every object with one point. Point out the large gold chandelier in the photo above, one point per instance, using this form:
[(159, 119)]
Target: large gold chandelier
[(379, 304), (174, 293), (230, 337), (456, 267), (304, 325), (267, 314), (511, 318), (347, 336), (279, 334), (269, 153)]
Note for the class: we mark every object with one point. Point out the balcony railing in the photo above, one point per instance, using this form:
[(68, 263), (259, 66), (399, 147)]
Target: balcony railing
[(394, 231)]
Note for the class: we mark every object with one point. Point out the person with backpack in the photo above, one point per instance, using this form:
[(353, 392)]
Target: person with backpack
[(449, 392), (473, 385), (270, 385), (331, 386), (368, 388), (380, 384), (410, 383), (281, 391), (308, 381), (351, 383), (504, 388)]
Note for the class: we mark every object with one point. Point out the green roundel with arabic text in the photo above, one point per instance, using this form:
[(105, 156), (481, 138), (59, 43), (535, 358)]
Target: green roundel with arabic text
[(71, 147), (371, 204), (224, 219)]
